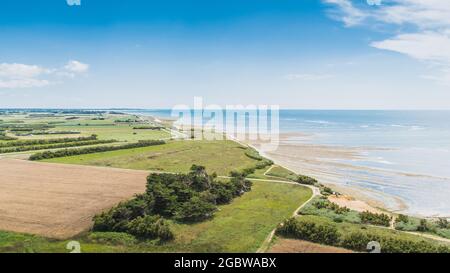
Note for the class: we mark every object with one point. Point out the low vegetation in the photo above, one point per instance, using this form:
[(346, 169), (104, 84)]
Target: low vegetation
[(355, 237), (439, 227)]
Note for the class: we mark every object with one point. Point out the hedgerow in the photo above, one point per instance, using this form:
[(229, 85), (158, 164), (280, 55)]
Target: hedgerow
[(31, 142), (54, 146), (96, 149)]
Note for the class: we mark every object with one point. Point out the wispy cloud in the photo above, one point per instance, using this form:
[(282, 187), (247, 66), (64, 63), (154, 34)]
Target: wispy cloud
[(76, 67), (15, 75), (308, 77), (427, 21)]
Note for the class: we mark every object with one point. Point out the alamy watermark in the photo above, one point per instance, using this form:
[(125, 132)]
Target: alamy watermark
[(73, 2), (257, 124)]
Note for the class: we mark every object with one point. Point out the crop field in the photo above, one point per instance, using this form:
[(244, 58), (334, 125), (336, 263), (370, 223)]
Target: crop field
[(221, 157), (59, 201), (106, 126)]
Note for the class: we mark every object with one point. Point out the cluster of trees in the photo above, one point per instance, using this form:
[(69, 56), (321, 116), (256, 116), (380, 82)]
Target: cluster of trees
[(91, 150), (325, 204), (54, 146), (379, 219), (191, 197), (31, 142), (306, 180), (329, 234)]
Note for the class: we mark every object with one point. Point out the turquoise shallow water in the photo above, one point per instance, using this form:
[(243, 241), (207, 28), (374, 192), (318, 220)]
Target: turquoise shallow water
[(405, 154)]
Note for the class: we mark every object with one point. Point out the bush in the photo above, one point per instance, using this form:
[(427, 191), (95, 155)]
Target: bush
[(443, 223), (326, 191), (375, 218), (150, 227), (253, 154), (423, 226), (310, 231), (302, 179), (112, 238)]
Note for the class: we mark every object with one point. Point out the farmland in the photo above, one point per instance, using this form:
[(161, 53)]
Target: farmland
[(237, 227)]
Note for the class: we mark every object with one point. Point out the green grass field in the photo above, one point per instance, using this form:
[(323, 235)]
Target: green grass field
[(238, 227), (176, 156)]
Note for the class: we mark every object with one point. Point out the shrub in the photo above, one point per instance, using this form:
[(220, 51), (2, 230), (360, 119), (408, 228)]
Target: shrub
[(308, 230), (375, 218), (326, 191), (302, 179), (150, 227), (112, 238), (423, 226), (402, 218), (443, 223)]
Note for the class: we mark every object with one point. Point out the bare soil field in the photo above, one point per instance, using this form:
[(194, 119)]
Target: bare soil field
[(299, 246), (59, 200)]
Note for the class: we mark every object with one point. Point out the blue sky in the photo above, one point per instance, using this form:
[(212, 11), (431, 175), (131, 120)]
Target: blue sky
[(314, 54)]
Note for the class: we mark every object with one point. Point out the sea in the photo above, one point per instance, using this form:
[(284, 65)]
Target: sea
[(402, 155)]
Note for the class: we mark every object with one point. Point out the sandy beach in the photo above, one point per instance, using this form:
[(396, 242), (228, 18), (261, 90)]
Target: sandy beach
[(325, 163)]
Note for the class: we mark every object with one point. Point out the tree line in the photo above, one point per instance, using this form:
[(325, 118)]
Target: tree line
[(54, 146), (91, 150), (30, 142)]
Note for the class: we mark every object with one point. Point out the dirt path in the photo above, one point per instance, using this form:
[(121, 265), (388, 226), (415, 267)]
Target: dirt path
[(266, 244), (59, 200)]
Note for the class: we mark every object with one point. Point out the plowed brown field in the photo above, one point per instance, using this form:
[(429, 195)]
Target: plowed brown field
[(59, 200)]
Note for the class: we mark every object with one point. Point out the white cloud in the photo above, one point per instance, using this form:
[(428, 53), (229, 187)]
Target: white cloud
[(349, 14), (76, 67), (427, 21), (425, 46), (23, 83), (20, 70), (15, 75), (308, 77)]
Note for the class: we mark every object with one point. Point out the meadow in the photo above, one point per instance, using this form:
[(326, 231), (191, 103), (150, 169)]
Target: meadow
[(221, 157)]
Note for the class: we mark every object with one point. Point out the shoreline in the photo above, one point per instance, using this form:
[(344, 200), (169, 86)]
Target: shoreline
[(319, 155)]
